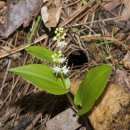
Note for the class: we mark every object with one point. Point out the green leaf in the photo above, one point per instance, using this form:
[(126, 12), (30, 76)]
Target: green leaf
[(41, 53), (41, 76), (91, 87)]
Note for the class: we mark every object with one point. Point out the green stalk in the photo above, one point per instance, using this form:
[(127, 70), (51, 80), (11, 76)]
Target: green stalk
[(71, 101), (68, 95), (35, 26)]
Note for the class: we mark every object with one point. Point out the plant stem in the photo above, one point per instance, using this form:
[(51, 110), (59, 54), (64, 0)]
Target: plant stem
[(71, 101), (36, 23)]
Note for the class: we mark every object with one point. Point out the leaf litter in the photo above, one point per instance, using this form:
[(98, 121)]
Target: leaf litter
[(18, 13), (50, 13), (100, 29)]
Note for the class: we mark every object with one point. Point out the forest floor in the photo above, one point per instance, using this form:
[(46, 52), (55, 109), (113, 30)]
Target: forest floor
[(98, 32)]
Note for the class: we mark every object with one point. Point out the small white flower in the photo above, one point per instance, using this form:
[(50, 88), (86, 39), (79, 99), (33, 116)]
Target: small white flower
[(63, 37), (54, 39), (61, 60), (57, 69), (61, 29), (56, 31), (65, 70), (64, 34), (60, 52), (61, 44)]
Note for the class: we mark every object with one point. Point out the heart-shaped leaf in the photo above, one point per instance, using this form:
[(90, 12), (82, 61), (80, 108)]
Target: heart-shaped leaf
[(41, 76), (91, 87), (41, 53)]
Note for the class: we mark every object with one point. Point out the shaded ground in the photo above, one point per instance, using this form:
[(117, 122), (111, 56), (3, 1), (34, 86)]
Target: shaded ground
[(94, 36)]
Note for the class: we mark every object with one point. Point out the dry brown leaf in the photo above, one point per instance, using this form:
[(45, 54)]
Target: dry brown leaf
[(2, 4), (112, 5), (18, 13), (120, 10), (124, 21), (126, 61), (125, 15), (3, 13), (51, 13)]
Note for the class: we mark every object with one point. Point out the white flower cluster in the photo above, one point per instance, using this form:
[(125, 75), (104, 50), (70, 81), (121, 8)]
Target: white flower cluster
[(58, 58), (60, 34), (61, 44), (63, 70)]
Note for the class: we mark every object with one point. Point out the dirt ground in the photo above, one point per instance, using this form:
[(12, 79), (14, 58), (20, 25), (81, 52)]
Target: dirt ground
[(97, 31)]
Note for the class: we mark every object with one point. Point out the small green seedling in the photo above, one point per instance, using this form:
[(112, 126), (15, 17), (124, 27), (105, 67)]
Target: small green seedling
[(54, 78)]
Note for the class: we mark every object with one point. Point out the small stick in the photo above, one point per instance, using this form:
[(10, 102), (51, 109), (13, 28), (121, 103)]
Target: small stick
[(30, 127), (7, 115), (76, 13), (20, 48), (5, 76), (97, 21)]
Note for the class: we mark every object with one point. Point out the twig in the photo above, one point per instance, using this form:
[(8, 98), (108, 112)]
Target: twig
[(30, 127), (97, 21), (20, 48), (7, 115), (5, 76), (76, 13)]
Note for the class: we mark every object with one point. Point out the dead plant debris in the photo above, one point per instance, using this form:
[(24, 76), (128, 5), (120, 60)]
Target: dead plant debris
[(98, 29)]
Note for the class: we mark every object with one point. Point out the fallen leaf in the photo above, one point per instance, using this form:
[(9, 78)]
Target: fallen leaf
[(112, 6), (123, 80), (124, 22), (126, 61), (51, 13), (125, 15), (3, 14), (18, 13), (2, 4), (120, 10)]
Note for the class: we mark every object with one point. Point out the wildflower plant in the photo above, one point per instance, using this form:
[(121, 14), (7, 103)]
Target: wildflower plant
[(54, 78), (60, 64)]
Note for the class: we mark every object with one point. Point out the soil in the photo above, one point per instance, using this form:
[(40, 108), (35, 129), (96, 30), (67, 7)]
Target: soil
[(94, 37)]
